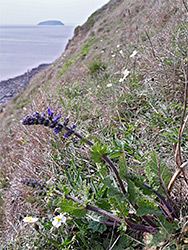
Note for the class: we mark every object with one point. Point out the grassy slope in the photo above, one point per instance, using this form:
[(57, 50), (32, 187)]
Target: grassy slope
[(76, 85)]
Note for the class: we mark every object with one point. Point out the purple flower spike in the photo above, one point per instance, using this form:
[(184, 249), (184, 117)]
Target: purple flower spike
[(42, 118), (57, 117), (49, 120), (71, 131), (50, 113), (58, 128)]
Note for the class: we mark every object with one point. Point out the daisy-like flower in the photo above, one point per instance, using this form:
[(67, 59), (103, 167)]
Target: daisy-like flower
[(109, 85), (30, 219), (134, 54), (125, 73), (58, 220)]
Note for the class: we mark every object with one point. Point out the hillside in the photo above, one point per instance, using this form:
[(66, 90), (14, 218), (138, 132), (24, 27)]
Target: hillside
[(51, 22), (122, 79)]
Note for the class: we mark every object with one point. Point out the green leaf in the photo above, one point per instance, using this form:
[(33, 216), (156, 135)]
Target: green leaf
[(131, 191), (123, 243), (48, 226), (152, 172), (144, 210), (73, 208), (104, 204), (96, 226), (139, 181), (98, 149), (123, 167)]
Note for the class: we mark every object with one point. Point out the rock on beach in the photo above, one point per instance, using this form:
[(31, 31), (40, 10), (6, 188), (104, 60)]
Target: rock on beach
[(9, 88)]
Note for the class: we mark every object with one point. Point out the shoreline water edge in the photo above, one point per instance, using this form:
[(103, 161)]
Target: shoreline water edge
[(9, 88)]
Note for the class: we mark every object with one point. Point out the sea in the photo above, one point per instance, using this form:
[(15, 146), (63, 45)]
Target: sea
[(25, 47)]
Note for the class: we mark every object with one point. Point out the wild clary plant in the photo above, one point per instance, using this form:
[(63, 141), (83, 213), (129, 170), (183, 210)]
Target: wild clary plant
[(123, 201)]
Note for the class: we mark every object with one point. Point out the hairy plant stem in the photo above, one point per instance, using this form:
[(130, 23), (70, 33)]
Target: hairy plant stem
[(113, 218), (111, 164), (178, 157)]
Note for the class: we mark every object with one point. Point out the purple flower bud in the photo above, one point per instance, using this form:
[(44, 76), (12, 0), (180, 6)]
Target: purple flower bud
[(42, 118), (57, 117), (46, 123), (40, 186), (50, 113), (58, 128), (25, 120), (66, 121), (71, 131)]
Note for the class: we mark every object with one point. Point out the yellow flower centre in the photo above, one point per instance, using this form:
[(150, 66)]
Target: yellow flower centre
[(29, 219), (58, 219)]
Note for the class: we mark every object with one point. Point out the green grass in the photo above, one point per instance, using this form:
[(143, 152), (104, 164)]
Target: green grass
[(135, 123), (84, 51)]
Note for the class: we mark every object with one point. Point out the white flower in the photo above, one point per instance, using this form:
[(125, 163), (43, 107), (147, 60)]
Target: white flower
[(30, 219), (109, 85), (118, 45), (121, 52), (125, 73), (58, 220), (113, 55), (134, 53)]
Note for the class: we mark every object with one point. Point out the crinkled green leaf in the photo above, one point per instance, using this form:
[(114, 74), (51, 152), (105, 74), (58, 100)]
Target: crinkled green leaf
[(144, 210), (104, 204), (73, 208), (96, 226), (131, 191), (123, 167), (152, 171)]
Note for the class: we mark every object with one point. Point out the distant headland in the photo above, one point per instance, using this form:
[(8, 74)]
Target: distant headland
[(51, 22)]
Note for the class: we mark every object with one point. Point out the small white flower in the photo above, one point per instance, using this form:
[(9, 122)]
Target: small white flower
[(134, 53), (58, 220), (125, 73), (121, 52), (30, 219), (109, 85), (118, 45), (113, 55)]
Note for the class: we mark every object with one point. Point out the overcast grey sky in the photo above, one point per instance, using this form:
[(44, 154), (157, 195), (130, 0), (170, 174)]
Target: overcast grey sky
[(26, 12)]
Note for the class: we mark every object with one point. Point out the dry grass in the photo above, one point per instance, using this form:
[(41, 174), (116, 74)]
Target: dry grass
[(150, 27)]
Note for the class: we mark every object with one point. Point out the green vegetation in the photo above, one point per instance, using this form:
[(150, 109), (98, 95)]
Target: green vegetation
[(117, 180), (84, 51), (96, 66)]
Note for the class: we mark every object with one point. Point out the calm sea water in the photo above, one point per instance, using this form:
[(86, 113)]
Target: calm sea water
[(25, 47)]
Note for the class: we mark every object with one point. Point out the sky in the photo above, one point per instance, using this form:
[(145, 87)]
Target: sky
[(31, 12)]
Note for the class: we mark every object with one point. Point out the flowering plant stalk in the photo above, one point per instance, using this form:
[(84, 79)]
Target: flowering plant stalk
[(99, 153)]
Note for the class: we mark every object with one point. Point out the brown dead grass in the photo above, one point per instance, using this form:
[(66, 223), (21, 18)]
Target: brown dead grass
[(27, 151)]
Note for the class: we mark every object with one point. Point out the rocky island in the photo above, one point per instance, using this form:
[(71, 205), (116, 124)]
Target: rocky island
[(51, 22)]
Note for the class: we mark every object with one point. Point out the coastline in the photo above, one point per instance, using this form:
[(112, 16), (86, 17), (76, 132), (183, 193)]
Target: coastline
[(9, 88)]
